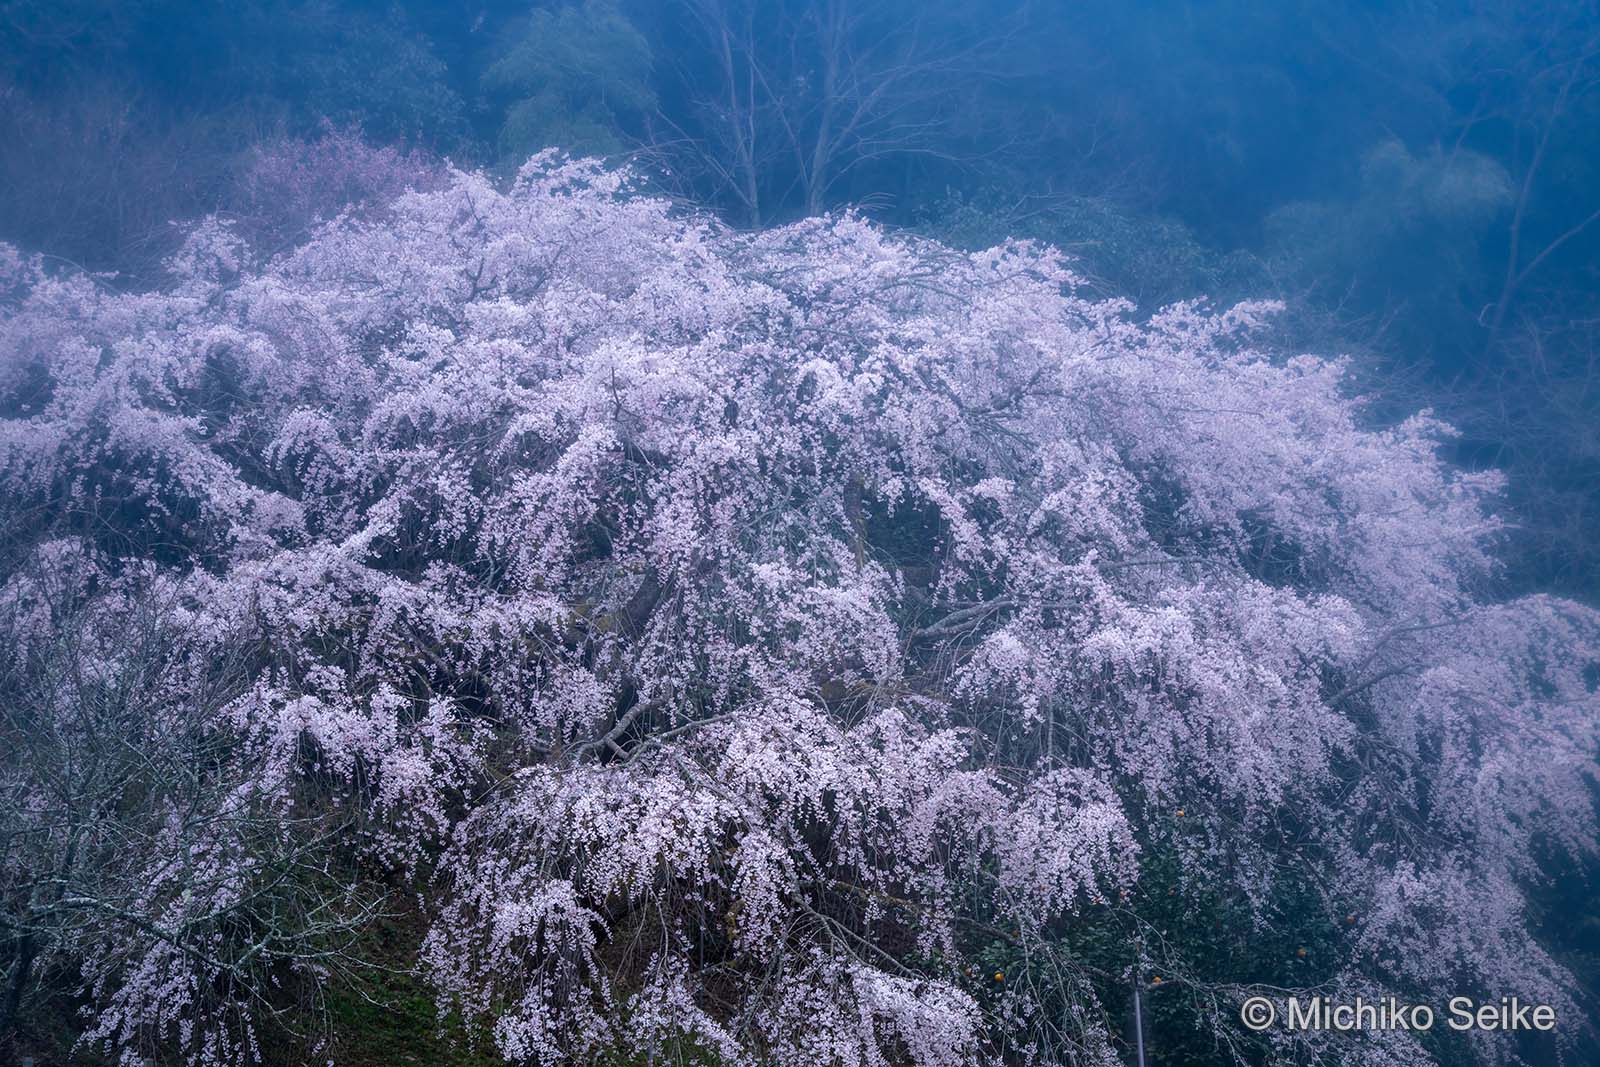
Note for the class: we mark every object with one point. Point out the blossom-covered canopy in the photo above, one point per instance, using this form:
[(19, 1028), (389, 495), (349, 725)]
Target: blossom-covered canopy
[(733, 644)]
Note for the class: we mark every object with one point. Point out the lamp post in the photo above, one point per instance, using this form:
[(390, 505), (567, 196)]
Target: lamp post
[(1138, 1011)]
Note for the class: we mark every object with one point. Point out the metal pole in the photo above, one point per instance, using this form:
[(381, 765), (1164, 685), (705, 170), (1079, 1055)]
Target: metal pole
[(1138, 1011)]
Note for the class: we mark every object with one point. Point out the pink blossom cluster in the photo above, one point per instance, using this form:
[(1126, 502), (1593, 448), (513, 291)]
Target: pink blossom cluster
[(287, 185), (728, 637)]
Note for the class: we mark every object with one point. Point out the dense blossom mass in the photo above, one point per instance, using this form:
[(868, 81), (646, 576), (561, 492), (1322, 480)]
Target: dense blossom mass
[(810, 646)]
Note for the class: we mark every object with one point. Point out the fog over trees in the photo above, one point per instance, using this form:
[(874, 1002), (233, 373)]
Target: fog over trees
[(830, 532)]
